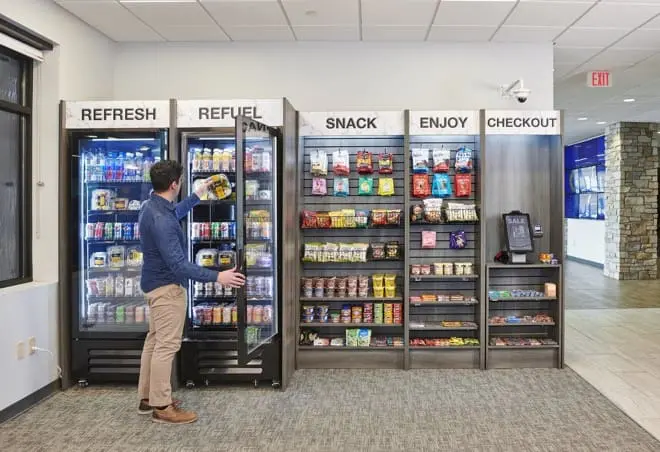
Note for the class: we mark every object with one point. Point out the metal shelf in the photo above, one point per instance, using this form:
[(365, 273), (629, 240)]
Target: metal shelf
[(444, 328), (350, 325), (419, 278), (350, 299), (522, 324), (117, 182), (497, 265), (444, 303), (449, 347), (514, 299), (331, 348), (113, 212), (95, 299), (116, 327), (110, 242), (521, 347)]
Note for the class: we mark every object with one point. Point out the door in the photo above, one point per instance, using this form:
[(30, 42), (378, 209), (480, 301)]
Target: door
[(109, 182), (256, 241)]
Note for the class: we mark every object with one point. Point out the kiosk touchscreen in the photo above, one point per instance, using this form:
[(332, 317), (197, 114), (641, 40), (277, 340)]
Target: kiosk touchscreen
[(518, 233)]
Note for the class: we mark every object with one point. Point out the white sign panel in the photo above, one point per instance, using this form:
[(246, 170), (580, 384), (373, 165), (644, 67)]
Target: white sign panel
[(444, 123), (127, 114), (363, 123), (507, 122), (222, 113)]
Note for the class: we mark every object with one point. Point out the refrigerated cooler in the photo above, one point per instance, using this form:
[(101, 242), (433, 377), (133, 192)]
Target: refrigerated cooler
[(106, 180), (233, 335)]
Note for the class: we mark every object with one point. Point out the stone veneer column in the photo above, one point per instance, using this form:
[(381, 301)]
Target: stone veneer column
[(631, 190)]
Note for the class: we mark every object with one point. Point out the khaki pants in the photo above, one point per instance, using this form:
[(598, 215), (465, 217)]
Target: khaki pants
[(167, 315)]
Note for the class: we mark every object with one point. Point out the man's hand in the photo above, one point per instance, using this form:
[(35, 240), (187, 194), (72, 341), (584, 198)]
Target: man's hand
[(231, 278), (203, 188)]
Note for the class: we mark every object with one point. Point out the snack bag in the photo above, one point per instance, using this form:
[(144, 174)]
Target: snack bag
[(392, 250), (319, 186), (433, 210), (363, 337), (463, 184), (457, 240), (319, 163), (379, 217), (420, 161), (417, 213), (441, 185), (428, 239), (386, 186), (364, 162), (441, 160), (352, 337), (366, 186), (341, 186), (341, 163), (420, 186), (463, 160), (385, 164)]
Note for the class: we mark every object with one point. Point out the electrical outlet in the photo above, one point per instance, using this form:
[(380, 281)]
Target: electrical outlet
[(32, 342), (20, 350)]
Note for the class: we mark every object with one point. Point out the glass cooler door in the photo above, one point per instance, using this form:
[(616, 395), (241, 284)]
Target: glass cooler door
[(256, 213), (111, 181)]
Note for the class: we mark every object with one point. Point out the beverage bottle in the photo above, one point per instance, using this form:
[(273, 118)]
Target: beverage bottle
[(139, 175), (119, 167), (90, 162), (99, 167), (129, 167), (136, 231), (146, 164)]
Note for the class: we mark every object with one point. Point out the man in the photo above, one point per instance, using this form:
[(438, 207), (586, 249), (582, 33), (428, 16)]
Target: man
[(165, 273)]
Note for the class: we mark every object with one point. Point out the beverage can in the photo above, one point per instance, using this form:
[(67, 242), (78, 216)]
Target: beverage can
[(249, 286), (198, 315), (89, 231), (232, 230), (98, 231), (109, 231), (139, 314), (206, 231), (118, 231), (92, 309), (267, 317), (268, 286), (209, 289), (216, 230), (224, 230), (128, 231), (226, 314), (198, 288), (217, 315), (234, 315), (248, 319), (130, 314), (228, 291), (266, 230), (136, 231), (194, 231)]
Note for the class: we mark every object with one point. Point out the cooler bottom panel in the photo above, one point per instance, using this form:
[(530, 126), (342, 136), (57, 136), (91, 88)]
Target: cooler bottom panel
[(106, 361)]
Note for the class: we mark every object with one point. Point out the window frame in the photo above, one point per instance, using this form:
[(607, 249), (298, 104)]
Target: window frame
[(24, 110)]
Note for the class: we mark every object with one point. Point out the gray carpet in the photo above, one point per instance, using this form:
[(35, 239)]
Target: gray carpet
[(347, 410)]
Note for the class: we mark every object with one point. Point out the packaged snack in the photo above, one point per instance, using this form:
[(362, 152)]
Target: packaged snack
[(341, 187), (378, 312), (102, 199), (341, 163), (463, 185), (323, 220), (463, 160), (319, 186), (390, 281), (307, 287), (378, 251), (385, 164), (116, 256), (251, 189), (207, 257), (393, 217), (321, 314), (345, 314), (133, 256), (441, 185), (120, 204), (221, 187), (433, 210), (364, 337), (356, 314), (335, 317), (379, 217), (119, 286), (417, 213), (457, 240), (330, 286), (425, 269), (368, 313), (438, 269), (392, 250), (428, 239), (390, 292), (352, 337), (361, 218), (366, 186), (416, 269), (337, 342), (420, 186), (308, 219), (98, 260), (386, 186), (319, 163), (420, 161), (364, 162), (321, 342), (448, 268), (441, 160), (459, 212)]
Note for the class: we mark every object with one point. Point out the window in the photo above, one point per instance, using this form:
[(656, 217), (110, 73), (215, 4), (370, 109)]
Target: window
[(15, 168)]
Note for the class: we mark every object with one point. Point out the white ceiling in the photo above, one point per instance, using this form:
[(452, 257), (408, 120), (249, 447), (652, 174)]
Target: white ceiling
[(618, 35)]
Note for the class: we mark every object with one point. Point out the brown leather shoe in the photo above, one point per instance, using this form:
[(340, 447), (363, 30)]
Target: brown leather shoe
[(173, 415), (144, 408)]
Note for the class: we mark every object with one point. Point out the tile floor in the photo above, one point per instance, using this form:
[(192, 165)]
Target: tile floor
[(618, 352)]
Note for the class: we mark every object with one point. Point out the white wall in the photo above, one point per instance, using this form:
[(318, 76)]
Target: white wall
[(80, 67), (338, 76), (585, 239)]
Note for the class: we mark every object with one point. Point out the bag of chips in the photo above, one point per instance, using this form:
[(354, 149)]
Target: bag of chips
[(366, 186), (392, 250), (386, 186), (428, 239), (308, 219), (463, 185), (341, 163), (377, 251), (421, 188), (457, 240), (420, 161), (341, 186), (379, 217), (319, 186), (364, 162), (385, 165), (463, 160), (393, 217), (441, 160), (319, 163), (433, 210), (441, 185), (417, 213)]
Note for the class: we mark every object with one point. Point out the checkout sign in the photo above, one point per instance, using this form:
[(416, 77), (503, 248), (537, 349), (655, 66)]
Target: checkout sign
[(506, 122)]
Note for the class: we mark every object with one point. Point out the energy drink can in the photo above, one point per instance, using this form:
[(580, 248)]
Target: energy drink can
[(232, 230), (89, 231), (118, 231), (98, 231), (136, 231), (209, 289), (198, 288), (120, 314), (128, 231), (109, 231), (224, 230), (216, 231)]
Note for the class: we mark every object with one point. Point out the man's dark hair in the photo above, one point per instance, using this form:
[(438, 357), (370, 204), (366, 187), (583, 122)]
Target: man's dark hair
[(164, 173)]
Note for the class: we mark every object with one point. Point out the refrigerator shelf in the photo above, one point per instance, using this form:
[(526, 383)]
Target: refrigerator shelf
[(116, 327), (522, 324), (418, 278), (97, 299), (350, 325), (216, 202), (129, 270), (207, 173), (523, 299), (265, 203), (113, 212), (435, 304), (117, 182), (349, 299), (334, 348), (111, 242), (212, 241), (214, 298)]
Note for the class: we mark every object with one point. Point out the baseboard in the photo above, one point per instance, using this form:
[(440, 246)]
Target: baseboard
[(28, 402), (585, 262)]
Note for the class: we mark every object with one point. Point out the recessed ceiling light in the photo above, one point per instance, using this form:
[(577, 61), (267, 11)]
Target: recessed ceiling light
[(630, 99), (600, 123), (583, 118)]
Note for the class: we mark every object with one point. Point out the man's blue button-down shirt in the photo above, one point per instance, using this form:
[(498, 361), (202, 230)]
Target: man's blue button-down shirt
[(163, 245)]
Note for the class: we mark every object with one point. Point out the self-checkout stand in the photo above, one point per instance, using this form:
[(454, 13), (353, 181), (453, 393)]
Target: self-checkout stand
[(209, 119), (502, 182)]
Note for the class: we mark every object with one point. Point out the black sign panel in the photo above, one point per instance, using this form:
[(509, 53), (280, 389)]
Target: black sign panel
[(518, 232)]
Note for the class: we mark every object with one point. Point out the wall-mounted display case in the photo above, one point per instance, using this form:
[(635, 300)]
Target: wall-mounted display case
[(584, 167)]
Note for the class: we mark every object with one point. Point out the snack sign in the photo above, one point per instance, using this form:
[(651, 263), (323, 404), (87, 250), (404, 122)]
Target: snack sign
[(354, 123)]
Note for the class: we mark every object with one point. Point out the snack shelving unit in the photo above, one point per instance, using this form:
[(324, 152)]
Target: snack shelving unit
[(427, 330), (388, 137), (524, 173)]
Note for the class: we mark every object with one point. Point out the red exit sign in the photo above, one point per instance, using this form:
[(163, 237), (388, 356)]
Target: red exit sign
[(599, 79)]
